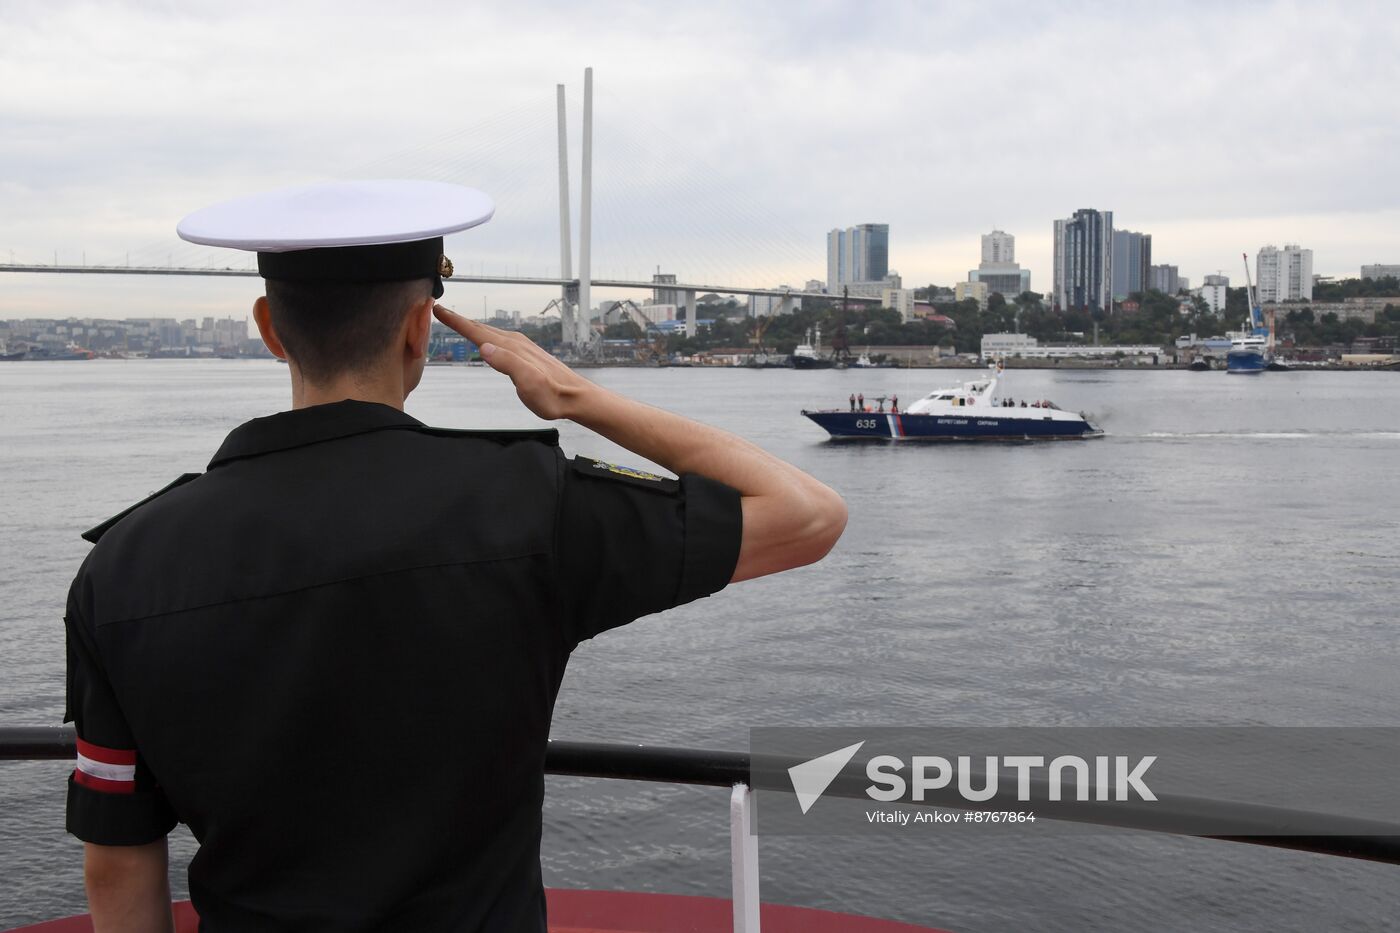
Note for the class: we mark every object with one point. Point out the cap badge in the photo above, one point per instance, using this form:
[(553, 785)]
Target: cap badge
[(445, 267)]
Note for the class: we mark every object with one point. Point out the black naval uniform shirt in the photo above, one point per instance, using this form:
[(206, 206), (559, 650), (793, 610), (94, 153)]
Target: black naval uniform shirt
[(335, 655)]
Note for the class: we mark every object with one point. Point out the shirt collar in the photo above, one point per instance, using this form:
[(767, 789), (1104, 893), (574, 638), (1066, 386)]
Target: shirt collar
[(302, 426)]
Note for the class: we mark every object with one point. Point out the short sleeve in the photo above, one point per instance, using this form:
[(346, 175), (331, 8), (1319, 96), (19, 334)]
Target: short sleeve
[(630, 543), (112, 796)]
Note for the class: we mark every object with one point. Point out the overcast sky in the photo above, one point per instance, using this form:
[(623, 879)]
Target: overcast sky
[(730, 138)]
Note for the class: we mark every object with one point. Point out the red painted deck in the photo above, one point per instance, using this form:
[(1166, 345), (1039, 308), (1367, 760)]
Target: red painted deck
[(572, 911)]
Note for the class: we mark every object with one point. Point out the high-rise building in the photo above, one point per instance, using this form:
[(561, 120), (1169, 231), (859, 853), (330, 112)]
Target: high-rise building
[(998, 246), (999, 270), (664, 296), (857, 254), (1132, 262), (1164, 278), (1084, 261), (1214, 291), (1284, 274), (1380, 271)]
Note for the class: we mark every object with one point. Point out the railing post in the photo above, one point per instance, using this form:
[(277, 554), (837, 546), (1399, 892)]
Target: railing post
[(743, 851)]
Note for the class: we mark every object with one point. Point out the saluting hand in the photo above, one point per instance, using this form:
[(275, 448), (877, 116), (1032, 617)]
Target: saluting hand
[(548, 388)]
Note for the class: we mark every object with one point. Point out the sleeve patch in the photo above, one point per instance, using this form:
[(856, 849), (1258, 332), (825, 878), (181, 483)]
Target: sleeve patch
[(109, 770), (588, 466)]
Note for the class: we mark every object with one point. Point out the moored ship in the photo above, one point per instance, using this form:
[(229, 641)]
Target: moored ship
[(1252, 348), (1247, 354), (974, 411), (808, 355)]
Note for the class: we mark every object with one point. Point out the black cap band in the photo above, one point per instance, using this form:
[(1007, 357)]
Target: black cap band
[(385, 262)]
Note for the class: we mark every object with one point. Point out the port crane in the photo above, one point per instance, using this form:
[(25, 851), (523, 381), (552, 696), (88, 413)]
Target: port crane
[(1257, 324)]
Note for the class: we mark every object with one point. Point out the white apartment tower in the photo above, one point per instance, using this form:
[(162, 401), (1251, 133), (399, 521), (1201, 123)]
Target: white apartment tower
[(998, 246), (1284, 274), (1214, 291)]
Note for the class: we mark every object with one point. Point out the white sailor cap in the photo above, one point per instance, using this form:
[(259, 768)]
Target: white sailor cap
[(346, 231)]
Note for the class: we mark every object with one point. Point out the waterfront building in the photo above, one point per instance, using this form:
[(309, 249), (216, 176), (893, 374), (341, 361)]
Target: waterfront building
[(1164, 279), (1083, 277), (1132, 263), (1284, 274), (996, 345), (1214, 292), (1013, 345), (1380, 271), (858, 254), (976, 290), (814, 285), (135, 335)]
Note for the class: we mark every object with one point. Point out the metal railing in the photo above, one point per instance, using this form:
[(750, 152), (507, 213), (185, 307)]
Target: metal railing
[(1248, 823)]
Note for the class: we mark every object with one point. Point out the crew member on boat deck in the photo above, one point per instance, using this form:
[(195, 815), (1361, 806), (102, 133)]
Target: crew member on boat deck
[(335, 654), (894, 404), (860, 400), (853, 403)]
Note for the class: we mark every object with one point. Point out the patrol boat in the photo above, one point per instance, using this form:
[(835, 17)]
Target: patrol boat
[(974, 411)]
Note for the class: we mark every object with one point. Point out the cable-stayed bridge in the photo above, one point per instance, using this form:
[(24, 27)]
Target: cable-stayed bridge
[(502, 139)]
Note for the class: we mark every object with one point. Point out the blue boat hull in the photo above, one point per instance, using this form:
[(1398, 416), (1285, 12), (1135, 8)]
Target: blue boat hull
[(887, 426), (1246, 362)]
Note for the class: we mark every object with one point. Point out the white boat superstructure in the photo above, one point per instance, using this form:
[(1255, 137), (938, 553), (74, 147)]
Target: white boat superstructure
[(989, 395)]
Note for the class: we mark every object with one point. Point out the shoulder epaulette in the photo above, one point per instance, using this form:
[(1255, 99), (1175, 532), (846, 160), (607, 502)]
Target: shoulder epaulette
[(97, 531), (601, 469), (547, 436)]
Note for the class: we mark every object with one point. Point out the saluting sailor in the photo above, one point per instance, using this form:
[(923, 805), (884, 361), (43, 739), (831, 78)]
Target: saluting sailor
[(334, 655)]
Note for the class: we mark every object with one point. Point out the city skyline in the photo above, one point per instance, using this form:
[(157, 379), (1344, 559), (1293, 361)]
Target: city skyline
[(123, 117)]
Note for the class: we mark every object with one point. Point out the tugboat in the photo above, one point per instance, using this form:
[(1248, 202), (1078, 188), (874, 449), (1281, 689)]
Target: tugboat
[(974, 411)]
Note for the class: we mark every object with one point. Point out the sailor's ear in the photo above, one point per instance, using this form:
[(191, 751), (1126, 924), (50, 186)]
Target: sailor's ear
[(262, 315), (418, 327)]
